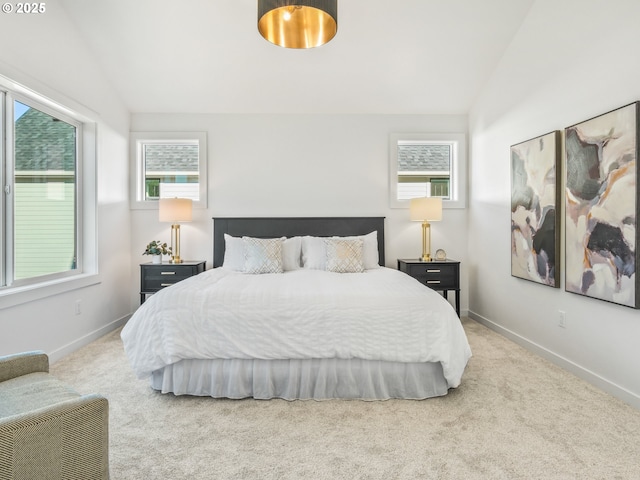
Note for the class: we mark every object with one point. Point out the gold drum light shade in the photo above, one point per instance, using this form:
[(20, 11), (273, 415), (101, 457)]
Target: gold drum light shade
[(425, 210), (174, 211), (298, 23)]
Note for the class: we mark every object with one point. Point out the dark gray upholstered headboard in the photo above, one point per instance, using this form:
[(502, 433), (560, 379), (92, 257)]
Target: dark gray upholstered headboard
[(274, 227)]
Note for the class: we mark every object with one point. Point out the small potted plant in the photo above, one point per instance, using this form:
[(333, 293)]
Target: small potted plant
[(157, 249)]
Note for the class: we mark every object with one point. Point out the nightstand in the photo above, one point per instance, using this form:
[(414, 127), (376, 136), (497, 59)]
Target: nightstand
[(441, 275), (156, 276)]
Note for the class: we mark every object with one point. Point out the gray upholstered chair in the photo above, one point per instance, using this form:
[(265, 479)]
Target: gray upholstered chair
[(48, 430)]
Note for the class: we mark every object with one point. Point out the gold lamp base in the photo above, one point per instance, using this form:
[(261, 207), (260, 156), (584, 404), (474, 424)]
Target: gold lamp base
[(426, 242), (175, 244)]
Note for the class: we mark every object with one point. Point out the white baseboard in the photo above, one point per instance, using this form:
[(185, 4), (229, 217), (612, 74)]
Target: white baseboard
[(57, 354), (578, 370)]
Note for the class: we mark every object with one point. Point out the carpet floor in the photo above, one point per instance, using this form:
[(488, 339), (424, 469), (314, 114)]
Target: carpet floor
[(515, 416)]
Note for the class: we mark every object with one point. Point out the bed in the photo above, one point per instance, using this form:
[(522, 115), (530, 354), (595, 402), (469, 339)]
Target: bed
[(338, 324)]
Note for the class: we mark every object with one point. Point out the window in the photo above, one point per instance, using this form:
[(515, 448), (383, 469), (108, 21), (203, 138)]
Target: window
[(168, 165), (46, 212), (427, 165), (44, 192)]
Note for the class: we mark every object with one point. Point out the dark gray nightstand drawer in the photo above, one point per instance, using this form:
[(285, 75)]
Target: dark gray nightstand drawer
[(156, 276), (444, 276)]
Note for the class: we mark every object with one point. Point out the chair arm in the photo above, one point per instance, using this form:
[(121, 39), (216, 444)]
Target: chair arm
[(69, 439), (18, 364)]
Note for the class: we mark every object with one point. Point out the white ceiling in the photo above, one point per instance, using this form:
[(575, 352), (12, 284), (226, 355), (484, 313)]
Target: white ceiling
[(206, 56)]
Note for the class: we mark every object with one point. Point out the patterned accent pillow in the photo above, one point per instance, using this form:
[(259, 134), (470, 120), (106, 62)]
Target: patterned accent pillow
[(263, 255), (345, 255)]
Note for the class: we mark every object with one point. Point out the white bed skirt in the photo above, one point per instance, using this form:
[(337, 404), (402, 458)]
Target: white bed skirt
[(318, 379)]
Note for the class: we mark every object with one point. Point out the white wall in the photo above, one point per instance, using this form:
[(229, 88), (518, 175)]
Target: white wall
[(302, 165), (570, 61), (45, 53)]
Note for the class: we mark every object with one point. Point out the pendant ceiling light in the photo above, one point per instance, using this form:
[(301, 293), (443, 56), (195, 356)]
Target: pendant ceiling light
[(298, 23)]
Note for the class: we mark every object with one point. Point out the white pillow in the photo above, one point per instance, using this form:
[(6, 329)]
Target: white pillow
[(344, 255), (234, 252), (263, 255), (370, 250), (314, 251), (291, 253)]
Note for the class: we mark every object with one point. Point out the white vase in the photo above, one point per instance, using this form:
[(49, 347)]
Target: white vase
[(156, 258)]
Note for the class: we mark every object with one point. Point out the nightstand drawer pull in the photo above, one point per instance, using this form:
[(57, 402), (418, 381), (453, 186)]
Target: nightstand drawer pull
[(166, 284), (433, 281), (433, 271), (167, 273)]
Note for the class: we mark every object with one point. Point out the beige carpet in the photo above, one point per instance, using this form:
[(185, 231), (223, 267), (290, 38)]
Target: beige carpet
[(515, 416)]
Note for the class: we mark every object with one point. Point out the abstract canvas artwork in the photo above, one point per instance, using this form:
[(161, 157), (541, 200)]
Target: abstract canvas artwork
[(601, 206), (534, 198)]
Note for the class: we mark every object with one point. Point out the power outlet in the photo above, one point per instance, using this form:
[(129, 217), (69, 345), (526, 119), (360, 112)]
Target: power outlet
[(78, 307), (562, 319)]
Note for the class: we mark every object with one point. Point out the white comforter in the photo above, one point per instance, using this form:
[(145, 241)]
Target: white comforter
[(381, 314)]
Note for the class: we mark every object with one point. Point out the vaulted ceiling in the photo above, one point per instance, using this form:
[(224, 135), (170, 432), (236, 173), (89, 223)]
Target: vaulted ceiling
[(206, 56)]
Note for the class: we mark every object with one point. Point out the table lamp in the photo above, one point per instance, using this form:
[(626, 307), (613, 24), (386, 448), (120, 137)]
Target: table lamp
[(174, 211), (425, 210)]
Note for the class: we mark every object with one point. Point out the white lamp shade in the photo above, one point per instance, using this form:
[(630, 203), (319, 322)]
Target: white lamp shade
[(426, 209), (175, 210)]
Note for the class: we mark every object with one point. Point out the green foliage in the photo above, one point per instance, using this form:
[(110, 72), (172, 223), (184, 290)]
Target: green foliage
[(157, 248)]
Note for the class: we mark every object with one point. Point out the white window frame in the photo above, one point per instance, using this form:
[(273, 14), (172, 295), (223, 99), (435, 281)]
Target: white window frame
[(10, 264), (137, 140), (457, 175), (86, 272)]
